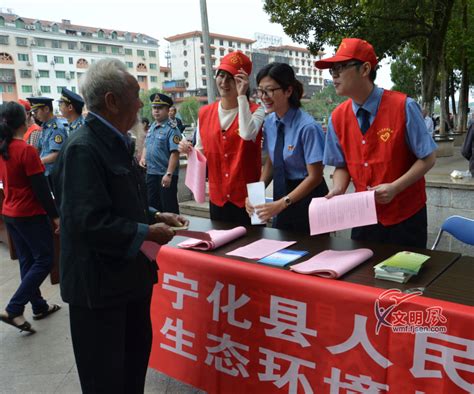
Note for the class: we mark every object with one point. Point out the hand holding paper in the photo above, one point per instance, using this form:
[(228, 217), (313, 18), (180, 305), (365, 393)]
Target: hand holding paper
[(341, 212), (256, 195)]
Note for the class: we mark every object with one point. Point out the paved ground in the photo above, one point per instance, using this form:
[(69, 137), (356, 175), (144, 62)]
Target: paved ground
[(44, 362)]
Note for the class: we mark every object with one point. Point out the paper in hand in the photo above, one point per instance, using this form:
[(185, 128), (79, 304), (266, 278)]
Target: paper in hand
[(256, 194)]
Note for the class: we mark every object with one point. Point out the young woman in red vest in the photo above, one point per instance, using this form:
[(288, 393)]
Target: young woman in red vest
[(295, 146), (379, 140), (229, 135), (25, 210)]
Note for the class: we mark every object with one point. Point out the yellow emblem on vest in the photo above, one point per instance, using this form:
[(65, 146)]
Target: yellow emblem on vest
[(385, 134), (291, 148), (176, 139), (58, 139)]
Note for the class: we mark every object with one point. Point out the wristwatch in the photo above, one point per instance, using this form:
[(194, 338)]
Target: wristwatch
[(287, 200), (168, 174)]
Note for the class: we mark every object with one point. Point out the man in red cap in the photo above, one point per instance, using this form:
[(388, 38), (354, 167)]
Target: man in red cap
[(33, 133), (378, 139), (229, 135)]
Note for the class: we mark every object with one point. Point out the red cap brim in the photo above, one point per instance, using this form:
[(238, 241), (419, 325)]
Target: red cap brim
[(327, 63)]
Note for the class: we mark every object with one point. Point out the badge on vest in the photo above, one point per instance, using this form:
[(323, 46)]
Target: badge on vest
[(176, 139), (291, 148), (58, 139), (385, 134)]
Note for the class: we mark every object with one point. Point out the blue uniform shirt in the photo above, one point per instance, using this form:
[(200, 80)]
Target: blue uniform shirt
[(160, 141), (304, 141), (75, 124), (52, 140), (419, 141)]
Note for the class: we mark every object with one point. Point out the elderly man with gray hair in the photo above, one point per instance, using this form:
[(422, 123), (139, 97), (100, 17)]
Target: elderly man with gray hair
[(105, 277)]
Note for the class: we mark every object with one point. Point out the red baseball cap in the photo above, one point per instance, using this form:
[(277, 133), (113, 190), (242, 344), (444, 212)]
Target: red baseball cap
[(25, 104), (350, 48), (234, 61)]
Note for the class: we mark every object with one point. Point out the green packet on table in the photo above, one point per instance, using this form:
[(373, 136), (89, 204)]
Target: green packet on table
[(408, 262)]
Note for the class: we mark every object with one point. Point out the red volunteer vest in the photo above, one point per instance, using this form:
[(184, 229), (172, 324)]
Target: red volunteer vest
[(232, 162), (381, 155)]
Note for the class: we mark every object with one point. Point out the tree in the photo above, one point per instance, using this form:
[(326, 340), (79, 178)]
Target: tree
[(145, 112), (323, 103), (388, 26), (406, 73), (189, 110)]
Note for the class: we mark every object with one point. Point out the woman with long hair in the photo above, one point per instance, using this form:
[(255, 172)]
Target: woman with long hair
[(295, 145), (25, 210)]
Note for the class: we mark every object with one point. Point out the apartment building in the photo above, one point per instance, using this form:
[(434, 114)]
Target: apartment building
[(39, 57), (188, 64), (189, 70)]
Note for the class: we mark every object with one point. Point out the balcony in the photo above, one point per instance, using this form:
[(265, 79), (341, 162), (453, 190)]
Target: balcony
[(7, 79)]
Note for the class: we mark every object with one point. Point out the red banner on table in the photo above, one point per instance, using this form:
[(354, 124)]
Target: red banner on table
[(228, 326)]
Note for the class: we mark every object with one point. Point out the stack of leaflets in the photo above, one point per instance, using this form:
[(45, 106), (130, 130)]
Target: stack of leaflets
[(400, 267)]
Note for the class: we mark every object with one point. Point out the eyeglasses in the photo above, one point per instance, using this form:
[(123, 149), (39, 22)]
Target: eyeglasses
[(339, 68), (269, 92)]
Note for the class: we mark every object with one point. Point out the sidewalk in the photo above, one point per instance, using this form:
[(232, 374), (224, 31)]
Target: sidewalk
[(44, 362)]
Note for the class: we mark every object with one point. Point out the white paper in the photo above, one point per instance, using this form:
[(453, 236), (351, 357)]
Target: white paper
[(256, 194), (259, 249)]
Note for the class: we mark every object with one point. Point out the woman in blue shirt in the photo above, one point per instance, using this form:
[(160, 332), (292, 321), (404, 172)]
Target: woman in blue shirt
[(295, 145)]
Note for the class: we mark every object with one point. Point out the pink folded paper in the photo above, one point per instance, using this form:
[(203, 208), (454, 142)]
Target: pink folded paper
[(150, 249), (333, 263), (218, 238), (196, 175)]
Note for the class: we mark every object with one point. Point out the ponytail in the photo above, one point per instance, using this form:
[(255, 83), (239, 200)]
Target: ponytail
[(12, 117)]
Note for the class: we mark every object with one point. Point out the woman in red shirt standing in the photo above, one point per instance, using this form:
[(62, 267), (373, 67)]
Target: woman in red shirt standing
[(26, 208)]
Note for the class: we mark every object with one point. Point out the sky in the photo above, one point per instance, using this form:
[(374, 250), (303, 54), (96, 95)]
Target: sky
[(159, 19)]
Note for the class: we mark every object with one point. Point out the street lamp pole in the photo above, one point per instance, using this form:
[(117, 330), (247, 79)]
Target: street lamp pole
[(211, 93)]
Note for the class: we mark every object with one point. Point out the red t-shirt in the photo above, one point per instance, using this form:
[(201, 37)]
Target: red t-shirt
[(24, 161)]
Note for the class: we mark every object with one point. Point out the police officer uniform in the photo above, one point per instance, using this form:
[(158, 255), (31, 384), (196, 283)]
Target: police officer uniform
[(161, 140), (54, 134), (71, 98)]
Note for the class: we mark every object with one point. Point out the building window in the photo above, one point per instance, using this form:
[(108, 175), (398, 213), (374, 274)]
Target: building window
[(204, 82), (4, 40), (23, 57), (152, 53), (185, 52), (6, 88), (202, 50), (71, 60), (19, 24), (185, 63), (153, 79), (101, 48), (56, 44), (128, 51), (42, 58), (27, 89), (59, 59), (2, 21), (40, 42), (73, 89), (129, 64), (114, 35), (184, 42), (86, 47), (221, 43), (247, 46), (61, 74), (141, 78), (222, 51), (82, 63), (100, 34), (72, 74), (166, 74), (55, 28), (5, 58), (239, 45), (213, 51), (21, 42), (43, 73), (71, 45), (203, 71), (25, 73), (186, 74), (152, 66), (203, 61), (115, 50), (231, 44), (140, 52), (45, 89), (59, 89)]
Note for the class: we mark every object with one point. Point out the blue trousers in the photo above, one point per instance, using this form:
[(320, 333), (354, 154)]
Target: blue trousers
[(164, 199), (33, 240)]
